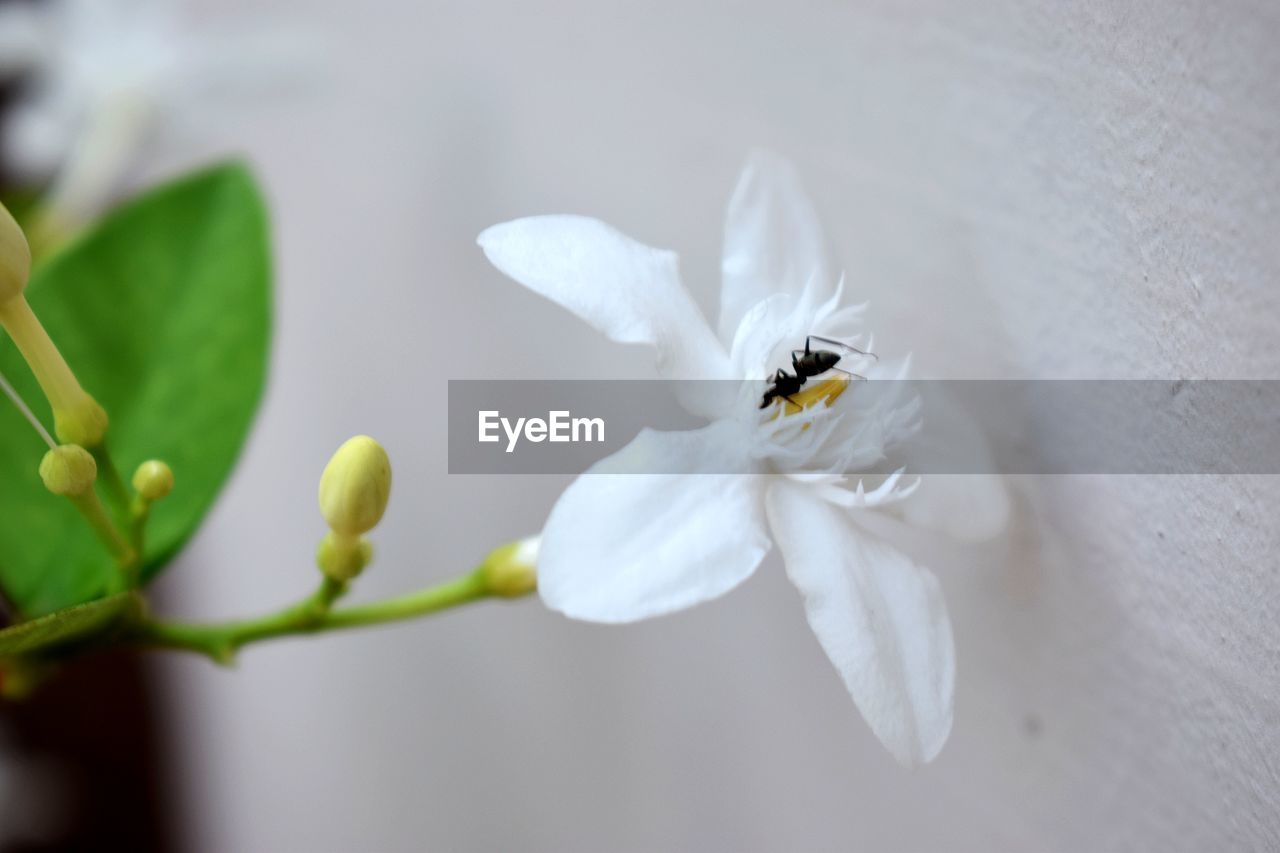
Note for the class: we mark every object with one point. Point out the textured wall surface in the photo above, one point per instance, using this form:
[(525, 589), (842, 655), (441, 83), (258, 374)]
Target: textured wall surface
[(1021, 190)]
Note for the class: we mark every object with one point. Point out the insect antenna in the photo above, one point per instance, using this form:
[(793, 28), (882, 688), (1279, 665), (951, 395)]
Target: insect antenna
[(844, 345)]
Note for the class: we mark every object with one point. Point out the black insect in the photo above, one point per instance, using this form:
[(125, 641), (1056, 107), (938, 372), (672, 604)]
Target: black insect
[(807, 363)]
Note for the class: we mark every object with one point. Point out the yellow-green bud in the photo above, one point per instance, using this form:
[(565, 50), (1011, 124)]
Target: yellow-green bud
[(68, 470), (153, 480), (355, 486), (510, 571), (15, 257), (343, 557), (84, 422)]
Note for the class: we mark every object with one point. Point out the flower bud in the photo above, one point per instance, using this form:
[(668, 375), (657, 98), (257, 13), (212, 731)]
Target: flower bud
[(355, 486), (15, 257), (510, 571), (68, 470), (343, 557), (83, 422), (153, 480)]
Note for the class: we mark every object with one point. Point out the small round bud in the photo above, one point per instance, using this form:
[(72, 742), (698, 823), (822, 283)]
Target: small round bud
[(84, 423), (15, 257), (68, 470), (341, 557), (355, 486), (510, 571), (153, 480)]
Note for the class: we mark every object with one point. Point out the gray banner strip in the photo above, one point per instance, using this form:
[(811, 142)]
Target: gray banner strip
[(966, 427)]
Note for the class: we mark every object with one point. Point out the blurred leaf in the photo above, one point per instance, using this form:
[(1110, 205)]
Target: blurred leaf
[(163, 311), (22, 204), (63, 626)]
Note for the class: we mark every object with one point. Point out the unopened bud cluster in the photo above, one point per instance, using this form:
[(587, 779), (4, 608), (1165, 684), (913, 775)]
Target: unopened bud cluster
[(354, 490)]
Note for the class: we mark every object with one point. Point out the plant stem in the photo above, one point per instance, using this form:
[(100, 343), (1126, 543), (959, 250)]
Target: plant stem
[(109, 476), (139, 512), (91, 508), (221, 641), (51, 371), (77, 417)]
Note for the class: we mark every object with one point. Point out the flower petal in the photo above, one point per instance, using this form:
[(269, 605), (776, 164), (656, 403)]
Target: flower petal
[(629, 291), (624, 546), (21, 42), (773, 243), (881, 620), (887, 493)]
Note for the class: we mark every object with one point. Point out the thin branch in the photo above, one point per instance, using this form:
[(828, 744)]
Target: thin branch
[(220, 641), (22, 407)]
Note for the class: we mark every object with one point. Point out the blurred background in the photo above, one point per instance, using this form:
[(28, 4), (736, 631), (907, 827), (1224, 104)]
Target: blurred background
[(1029, 190)]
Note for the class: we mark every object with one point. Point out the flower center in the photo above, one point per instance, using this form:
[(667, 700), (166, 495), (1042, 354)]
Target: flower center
[(824, 392)]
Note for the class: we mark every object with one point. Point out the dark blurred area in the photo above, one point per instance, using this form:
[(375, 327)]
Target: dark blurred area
[(85, 765)]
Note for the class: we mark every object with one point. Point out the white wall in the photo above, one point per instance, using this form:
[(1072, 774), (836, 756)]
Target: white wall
[(1021, 189)]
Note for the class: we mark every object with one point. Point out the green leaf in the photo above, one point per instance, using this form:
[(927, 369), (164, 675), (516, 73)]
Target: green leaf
[(64, 626), (22, 204), (163, 311)]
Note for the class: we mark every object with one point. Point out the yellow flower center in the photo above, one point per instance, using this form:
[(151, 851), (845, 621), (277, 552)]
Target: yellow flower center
[(824, 392)]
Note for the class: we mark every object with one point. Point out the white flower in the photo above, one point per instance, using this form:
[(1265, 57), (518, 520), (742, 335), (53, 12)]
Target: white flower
[(19, 39), (619, 548), (108, 78)]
